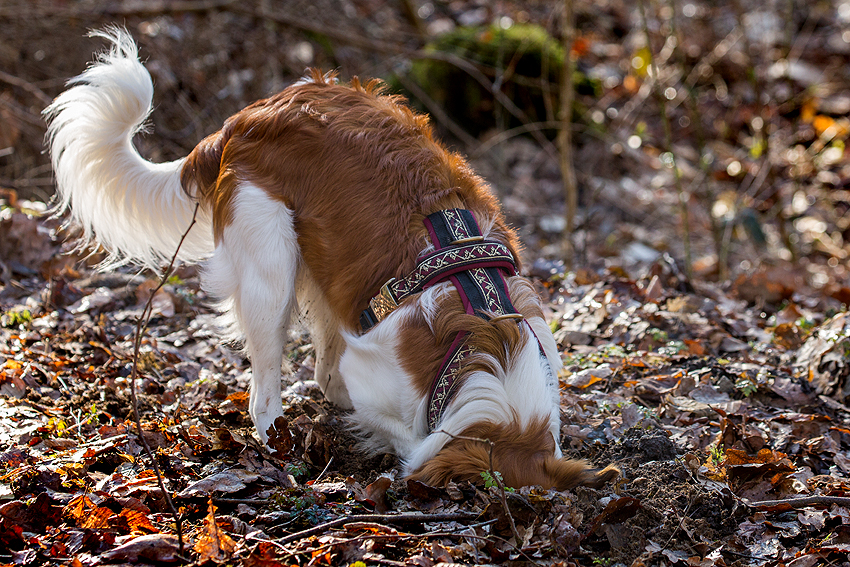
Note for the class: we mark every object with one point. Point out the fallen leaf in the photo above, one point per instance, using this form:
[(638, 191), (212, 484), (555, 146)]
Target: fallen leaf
[(232, 480), (589, 376), (377, 493), (213, 544), (823, 358), (280, 437), (160, 548)]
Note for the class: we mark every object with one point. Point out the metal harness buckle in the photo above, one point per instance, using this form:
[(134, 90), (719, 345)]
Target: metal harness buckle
[(384, 303)]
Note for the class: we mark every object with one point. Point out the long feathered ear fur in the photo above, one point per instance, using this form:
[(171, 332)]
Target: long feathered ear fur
[(458, 464), (524, 457), (565, 474)]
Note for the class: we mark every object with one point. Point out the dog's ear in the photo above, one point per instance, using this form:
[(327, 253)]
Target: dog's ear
[(459, 460), (565, 474)]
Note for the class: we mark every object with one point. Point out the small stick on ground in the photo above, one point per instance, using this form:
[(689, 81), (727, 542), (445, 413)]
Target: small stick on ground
[(367, 537), (805, 501), (497, 478), (141, 327), (386, 518)]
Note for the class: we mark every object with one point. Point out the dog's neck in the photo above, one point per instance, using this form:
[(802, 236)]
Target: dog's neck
[(476, 267)]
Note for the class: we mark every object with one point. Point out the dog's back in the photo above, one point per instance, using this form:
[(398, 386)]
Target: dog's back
[(355, 166)]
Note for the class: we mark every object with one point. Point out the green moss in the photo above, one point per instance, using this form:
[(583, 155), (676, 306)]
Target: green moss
[(523, 58), (526, 48)]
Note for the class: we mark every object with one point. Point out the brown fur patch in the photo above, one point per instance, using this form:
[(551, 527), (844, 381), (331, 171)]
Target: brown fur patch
[(359, 170), (421, 351)]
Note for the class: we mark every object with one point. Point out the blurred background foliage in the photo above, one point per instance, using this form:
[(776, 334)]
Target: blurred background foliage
[(706, 133)]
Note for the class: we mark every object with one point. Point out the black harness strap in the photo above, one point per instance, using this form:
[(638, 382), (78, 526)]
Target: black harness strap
[(476, 267), (433, 268), (483, 291)]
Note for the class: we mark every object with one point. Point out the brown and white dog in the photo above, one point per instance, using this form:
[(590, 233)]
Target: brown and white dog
[(309, 201)]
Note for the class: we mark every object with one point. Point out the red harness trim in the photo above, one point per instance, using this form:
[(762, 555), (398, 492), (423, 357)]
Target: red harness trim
[(476, 267), (481, 288)]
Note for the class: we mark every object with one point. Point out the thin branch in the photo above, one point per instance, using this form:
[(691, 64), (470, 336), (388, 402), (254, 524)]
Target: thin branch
[(668, 143), (141, 7), (506, 135), (141, 327), (324, 470), (805, 501), (27, 86), (387, 518), (496, 477), (368, 537), (437, 112), (565, 140), (336, 33), (474, 72)]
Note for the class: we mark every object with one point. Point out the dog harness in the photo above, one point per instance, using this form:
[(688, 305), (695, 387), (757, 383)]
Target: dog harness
[(476, 267)]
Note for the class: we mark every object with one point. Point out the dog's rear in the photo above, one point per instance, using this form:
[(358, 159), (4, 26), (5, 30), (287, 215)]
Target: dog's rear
[(310, 201)]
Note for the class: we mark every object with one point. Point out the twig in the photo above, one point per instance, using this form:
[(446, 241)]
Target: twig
[(141, 327), (324, 470), (668, 143), (388, 518), (141, 7), (437, 112), (248, 501), (474, 72), (565, 139), (22, 112), (496, 477), (367, 537), (794, 503), (506, 135), (27, 86), (411, 12), (681, 522), (165, 7), (336, 33)]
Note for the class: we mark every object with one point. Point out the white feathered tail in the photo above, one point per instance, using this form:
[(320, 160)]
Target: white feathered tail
[(136, 209)]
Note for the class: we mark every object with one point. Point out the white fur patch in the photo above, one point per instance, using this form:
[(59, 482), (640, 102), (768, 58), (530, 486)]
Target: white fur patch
[(380, 389), (253, 273)]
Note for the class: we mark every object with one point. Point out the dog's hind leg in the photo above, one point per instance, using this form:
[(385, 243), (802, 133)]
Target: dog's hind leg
[(253, 272)]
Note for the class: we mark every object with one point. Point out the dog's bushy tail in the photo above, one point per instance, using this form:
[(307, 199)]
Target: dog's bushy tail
[(136, 209)]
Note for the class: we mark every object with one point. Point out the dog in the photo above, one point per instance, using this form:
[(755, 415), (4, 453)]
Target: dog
[(335, 203)]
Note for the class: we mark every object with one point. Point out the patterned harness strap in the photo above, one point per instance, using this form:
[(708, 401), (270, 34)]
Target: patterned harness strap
[(434, 268), (476, 268)]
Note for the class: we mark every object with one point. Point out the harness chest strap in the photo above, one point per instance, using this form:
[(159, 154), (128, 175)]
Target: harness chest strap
[(483, 291)]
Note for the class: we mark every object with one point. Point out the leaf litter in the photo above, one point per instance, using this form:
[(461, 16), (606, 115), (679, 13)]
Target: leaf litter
[(726, 406), (728, 420)]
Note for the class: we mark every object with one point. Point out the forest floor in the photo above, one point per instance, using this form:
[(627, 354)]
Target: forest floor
[(722, 394)]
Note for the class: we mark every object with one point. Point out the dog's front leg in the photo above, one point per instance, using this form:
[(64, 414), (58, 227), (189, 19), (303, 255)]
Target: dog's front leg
[(328, 343)]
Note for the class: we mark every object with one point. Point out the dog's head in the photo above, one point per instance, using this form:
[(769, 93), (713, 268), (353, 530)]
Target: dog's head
[(523, 456)]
